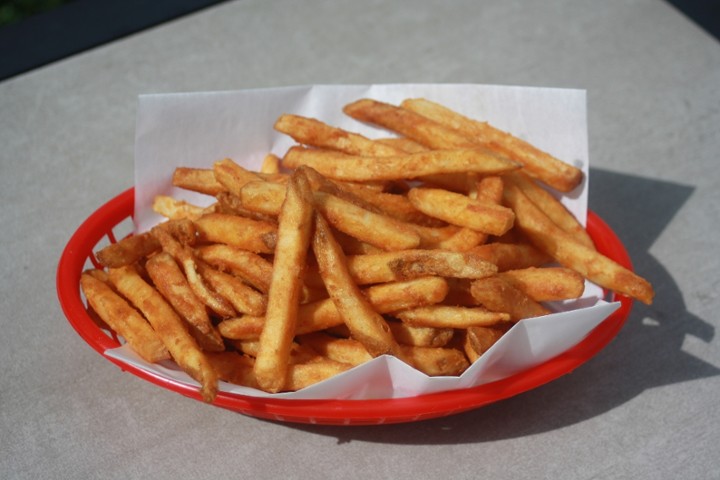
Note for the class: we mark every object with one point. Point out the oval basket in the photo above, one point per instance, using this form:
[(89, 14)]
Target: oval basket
[(99, 227)]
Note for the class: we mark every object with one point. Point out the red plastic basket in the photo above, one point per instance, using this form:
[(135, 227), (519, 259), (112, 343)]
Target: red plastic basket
[(99, 227)]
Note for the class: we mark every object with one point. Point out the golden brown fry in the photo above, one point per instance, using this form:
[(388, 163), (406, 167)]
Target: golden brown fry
[(251, 235), (478, 340), (230, 204), (233, 176), (556, 211), (444, 316), (169, 326), (294, 232), (323, 314), (128, 250), (568, 252), (421, 336), (185, 257), (174, 209), (343, 350), (511, 256), (366, 325), (436, 362), (168, 278), (555, 173), (197, 180), (249, 266), (243, 298), (313, 132), (497, 295), (271, 164), (376, 229), (461, 210), (339, 166), (123, 319), (408, 124), (546, 284)]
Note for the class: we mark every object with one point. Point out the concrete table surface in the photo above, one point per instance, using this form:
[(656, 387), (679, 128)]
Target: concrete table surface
[(645, 407)]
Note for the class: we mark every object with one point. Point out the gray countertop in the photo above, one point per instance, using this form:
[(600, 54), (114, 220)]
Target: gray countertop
[(644, 407)]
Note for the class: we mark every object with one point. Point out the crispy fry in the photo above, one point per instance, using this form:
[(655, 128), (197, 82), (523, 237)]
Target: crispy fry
[(169, 326), (462, 210), (197, 180), (568, 252), (478, 340), (421, 336), (497, 295), (232, 176), (127, 251), (313, 132), (376, 229), (339, 166), (555, 210), (174, 209), (251, 235), (294, 232), (539, 164), (444, 316), (343, 350), (546, 284), (119, 315), (243, 298), (250, 266), (271, 164), (436, 361), (511, 256), (366, 325), (168, 278)]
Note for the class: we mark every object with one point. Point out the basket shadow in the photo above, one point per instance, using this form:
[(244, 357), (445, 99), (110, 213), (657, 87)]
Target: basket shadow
[(647, 353)]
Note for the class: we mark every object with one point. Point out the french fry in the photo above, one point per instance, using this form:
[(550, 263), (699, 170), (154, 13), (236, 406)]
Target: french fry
[(199, 180), (323, 314), (379, 230), (127, 251), (169, 326), (339, 166), (555, 210), (270, 165), (227, 203), (366, 325), (170, 281), (251, 235), (119, 315), (243, 298), (568, 252), (174, 209), (497, 295), (555, 173), (445, 316), (463, 211), (312, 132), (546, 284), (251, 267), (511, 256), (343, 350), (421, 336), (436, 361), (478, 340), (233, 176), (293, 239), (408, 124)]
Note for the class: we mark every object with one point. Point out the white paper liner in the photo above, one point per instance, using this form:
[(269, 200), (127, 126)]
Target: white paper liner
[(197, 129)]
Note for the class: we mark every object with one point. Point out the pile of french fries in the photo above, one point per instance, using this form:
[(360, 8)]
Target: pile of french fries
[(427, 245)]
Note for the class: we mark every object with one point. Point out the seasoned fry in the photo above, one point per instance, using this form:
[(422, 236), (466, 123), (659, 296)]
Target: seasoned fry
[(497, 295), (174, 209), (249, 266), (197, 180), (444, 316), (511, 256), (170, 281), (366, 325), (270, 165), (539, 164), (232, 176), (119, 315), (421, 336), (312, 132), (252, 235), (479, 339), (568, 252), (555, 210), (294, 232), (127, 251), (169, 326), (340, 166), (546, 284), (462, 210), (343, 350), (243, 298), (436, 361)]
